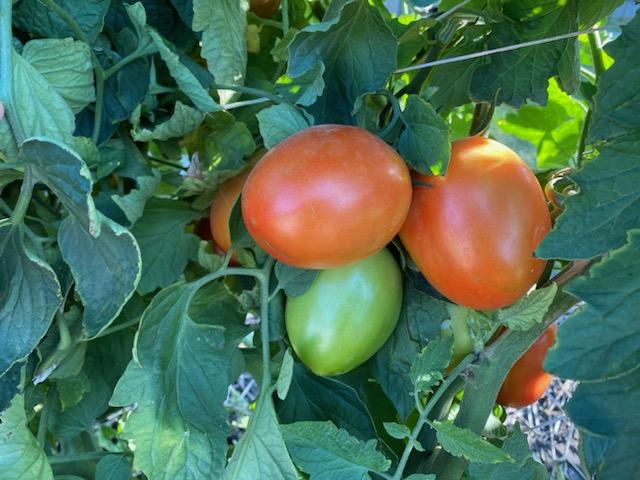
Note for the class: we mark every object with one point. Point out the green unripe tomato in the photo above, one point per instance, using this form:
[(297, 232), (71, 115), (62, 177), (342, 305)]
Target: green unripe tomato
[(346, 315)]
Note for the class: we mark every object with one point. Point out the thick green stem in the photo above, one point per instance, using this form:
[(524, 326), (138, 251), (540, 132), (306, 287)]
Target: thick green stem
[(124, 62), (583, 136), (255, 92), (24, 199), (116, 328), (596, 53), (44, 419), (284, 5), (264, 323), (422, 419), (485, 380)]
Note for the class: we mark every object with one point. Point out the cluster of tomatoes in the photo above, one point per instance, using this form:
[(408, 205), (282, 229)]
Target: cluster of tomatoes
[(332, 197)]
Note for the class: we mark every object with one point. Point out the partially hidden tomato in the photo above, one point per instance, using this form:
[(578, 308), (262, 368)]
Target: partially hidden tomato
[(327, 196), (347, 314), (222, 205), (203, 229), (264, 8), (473, 231), (527, 381)]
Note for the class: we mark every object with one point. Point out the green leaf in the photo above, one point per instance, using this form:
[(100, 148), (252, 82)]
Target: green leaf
[(597, 219), (515, 76), (314, 398), (348, 46), (72, 389), (523, 468), (185, 119), (223, 24), (106, 269), (424, 143), (261, 452), (427, 368), (294, 281), (29, 297), (66, 65), (40, 110), (419, 323), (64, 172), (609, 410), (554, 129), (528, 310), (165, 246), (279, 122), (420, 476), (617, 101), (21, 458), (113, 467), (441, 92), (328, 453), (397, 430), (589, 12), (132, 204), (31, 16), (185, 79), (8, 148), (9, 383), (285, 375), (462, 442), (599, 341), (80, 418), (179, 379)]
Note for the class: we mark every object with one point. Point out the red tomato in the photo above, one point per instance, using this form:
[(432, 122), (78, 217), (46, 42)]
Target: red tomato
[(327, 196), (264, 8), (473, 231), (526, 382)]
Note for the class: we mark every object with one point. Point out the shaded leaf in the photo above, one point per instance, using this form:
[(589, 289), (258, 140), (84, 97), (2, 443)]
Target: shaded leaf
[(462, 442)]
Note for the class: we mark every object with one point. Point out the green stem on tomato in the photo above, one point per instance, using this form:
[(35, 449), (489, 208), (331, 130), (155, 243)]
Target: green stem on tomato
[(115, 328), (264, 21), (486, 377), (124, 62), (44, 419), (264, 323), (26, 190), (424, 412), (255, 92), (284, 5), (583, 136), (596, 53)]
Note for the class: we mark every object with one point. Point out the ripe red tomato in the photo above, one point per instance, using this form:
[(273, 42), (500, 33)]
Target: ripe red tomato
[(473, 231), (203, 229), (526, 382), (327, 196), (264, 8)]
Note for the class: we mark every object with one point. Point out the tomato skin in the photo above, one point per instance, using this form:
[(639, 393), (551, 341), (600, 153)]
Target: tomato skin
[(264, 8), (346, 315), (327, 196), (202, 229), (526, 382), (473, 231), (221, 208)]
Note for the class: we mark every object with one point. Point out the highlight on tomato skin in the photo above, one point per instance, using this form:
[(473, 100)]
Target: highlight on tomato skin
[(527, 381), (328, 196), (473, 231)]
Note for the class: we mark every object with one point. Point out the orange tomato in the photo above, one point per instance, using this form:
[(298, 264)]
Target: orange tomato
[(526, 382), (473, 231), (327, 196)]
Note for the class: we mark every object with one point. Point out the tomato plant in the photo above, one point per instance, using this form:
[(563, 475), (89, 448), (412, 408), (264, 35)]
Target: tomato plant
[(131, 348), (325, 197), (473, 231), (346, 315), (527, 380)]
